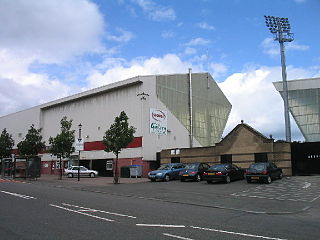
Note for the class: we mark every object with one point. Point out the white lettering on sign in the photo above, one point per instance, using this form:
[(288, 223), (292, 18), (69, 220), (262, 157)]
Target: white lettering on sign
[(158, 122)]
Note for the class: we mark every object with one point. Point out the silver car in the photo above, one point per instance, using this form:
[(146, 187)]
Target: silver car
[(73, 171)]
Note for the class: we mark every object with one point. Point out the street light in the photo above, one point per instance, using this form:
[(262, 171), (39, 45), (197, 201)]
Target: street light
[(280, 28), (79, 126)]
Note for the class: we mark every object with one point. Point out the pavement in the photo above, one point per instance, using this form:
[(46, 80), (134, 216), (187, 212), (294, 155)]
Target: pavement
[(73, 182)]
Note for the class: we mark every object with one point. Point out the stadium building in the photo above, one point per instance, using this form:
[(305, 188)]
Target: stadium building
[(168, 111), (304, 105)]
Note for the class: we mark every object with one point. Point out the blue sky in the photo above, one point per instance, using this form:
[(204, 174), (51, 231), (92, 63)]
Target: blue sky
[(53, 48)]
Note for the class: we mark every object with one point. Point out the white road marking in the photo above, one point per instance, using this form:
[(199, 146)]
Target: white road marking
[(18, 195), (175, 236), (306, 185), (160, 225), (95, 210), (237, 233), (86, 214), (315, 198)]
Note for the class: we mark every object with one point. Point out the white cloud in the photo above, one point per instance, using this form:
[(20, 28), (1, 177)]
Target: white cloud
[(50, 31), (217, 69), (167, 34), (197, 42), (43, 32), (206, 26), (190, 51), (297, 46), (121, 70), (155, 11), (125, 36), (271, 47)]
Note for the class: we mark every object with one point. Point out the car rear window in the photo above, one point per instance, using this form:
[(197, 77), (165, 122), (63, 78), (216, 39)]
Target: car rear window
[(258, 167), (191, 166), (218, 168)]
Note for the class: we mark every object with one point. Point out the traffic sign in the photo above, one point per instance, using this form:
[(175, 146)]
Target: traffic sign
[(79, 144)]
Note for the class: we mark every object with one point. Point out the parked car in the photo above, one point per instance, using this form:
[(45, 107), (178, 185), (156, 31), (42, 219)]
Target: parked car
[(73, 171), (193, 171), (265, 172), (223, 172), (166, 172)]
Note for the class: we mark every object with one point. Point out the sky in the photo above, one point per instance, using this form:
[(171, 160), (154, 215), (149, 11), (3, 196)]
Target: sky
[(50, 49)]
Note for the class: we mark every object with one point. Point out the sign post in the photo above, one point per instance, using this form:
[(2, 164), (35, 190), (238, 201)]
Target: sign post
[(79, 146)]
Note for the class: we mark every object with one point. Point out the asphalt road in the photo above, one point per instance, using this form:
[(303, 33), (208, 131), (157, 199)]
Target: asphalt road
[(286, 209)]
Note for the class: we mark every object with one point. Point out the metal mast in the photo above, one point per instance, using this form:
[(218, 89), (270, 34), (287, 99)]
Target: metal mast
[(280, 28)]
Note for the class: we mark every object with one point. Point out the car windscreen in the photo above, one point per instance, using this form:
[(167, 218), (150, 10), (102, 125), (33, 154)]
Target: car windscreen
[(257, 167), (218, 168), (191, 166), (164, 167)]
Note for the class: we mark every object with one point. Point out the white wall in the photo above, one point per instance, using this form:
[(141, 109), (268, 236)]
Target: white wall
[(18, 124)]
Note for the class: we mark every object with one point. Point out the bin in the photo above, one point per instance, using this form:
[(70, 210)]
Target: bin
[(136, 171)]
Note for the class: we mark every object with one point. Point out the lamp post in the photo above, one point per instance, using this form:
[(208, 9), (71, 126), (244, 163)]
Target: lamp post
[(79, 126), (280, 28)]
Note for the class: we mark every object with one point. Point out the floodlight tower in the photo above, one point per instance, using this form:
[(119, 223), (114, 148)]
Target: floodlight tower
[(280, 28)]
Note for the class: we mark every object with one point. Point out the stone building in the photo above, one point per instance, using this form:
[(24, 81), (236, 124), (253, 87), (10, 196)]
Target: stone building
[(242, 146)]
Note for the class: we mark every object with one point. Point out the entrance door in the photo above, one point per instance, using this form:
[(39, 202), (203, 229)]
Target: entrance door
[(226, 158), (175, 160)]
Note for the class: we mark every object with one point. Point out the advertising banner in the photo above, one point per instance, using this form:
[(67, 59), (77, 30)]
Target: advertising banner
[(158, 121)]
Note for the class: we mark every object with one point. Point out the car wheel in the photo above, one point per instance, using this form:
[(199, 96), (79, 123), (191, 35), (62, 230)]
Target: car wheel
[(228, 180), (92, 175), (280, 175), (152, 180), (167, 178), (182, 179), (70, 175), (198, 178), (209, 181), (268, 180), (248, 180)]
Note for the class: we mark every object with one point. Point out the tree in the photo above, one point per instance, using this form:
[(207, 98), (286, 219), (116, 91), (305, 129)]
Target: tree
[(61, 146), (6, 144), (118, 136), (32, 144)]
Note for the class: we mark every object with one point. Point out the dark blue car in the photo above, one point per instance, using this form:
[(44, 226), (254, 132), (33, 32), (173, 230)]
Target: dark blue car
[(166, 172)]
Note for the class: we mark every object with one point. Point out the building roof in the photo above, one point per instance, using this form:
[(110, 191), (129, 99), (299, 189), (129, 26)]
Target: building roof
[(249, 128), (299, 84)]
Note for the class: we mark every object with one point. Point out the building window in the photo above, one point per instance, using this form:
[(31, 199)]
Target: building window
[(226, 158), (260, 157)]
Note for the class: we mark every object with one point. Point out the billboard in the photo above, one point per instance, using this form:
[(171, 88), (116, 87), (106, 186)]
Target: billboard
[(158, 121)]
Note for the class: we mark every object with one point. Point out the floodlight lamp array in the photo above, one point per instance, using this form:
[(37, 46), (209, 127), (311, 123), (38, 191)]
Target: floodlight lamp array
[(280, 27)]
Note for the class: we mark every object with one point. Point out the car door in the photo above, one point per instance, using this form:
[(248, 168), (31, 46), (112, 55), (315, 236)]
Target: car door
[(274, 169), (176, 169), (237, 172)]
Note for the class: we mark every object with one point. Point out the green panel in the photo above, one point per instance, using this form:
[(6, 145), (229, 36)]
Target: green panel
[(210, 106)]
